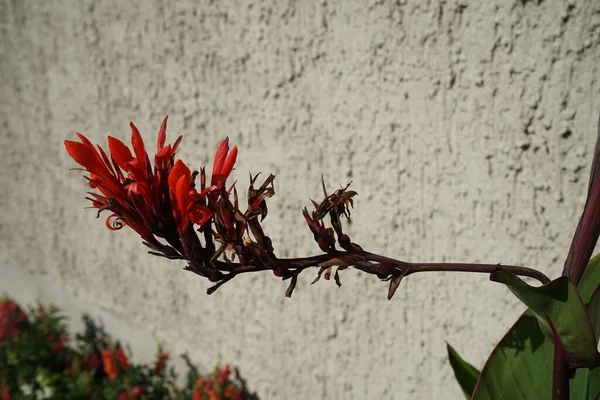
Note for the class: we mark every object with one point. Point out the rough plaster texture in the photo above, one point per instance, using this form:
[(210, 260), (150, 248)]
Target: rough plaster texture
[(466, 129)]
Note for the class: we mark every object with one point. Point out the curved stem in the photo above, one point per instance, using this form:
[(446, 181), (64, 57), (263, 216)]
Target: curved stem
[(482, 268), (411, 268)]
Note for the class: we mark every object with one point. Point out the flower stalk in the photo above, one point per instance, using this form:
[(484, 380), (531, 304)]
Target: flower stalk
[(179, 216)]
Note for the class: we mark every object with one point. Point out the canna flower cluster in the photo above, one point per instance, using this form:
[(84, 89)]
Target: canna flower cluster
[(160, 202), (181, 215)]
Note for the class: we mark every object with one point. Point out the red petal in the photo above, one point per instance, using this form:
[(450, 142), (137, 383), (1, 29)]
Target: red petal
[(84, 156), (178, 170), (162, 135), (229, 163), (182, 191), (89, 158), (200, 214), (119, 152), (85, 141), (163, 152), (182, 196), (220, 156), (137, 188), (97, 155), (136, 172), (176, 144), (207, 191), (94, 181), (138, 146), (106, 160)]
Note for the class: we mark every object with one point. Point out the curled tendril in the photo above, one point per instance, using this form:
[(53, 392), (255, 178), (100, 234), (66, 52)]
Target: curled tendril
[(115, 222)]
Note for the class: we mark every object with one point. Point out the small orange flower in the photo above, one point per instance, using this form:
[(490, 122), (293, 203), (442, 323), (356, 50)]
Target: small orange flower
[(196, 395), (110, 366)]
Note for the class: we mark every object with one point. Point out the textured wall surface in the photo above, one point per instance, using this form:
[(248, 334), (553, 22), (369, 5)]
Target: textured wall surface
[(466, 129)]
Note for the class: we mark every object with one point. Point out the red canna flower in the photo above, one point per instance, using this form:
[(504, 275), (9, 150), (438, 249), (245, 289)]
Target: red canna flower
[(155, 201), (164, 154), (223, 163), (129, 187), (160, 201), (184, 198)]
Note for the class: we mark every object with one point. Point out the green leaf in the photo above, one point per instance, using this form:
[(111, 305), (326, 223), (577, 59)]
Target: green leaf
[(520, 366), (465, 373), (586, 384), (593, 309), (589, 290), (560, 303)]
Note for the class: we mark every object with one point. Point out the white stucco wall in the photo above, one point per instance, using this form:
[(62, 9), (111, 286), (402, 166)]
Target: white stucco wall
[(466, 129)]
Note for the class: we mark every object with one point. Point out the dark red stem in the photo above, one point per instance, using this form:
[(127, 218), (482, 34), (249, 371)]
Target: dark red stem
[(370, 263)]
